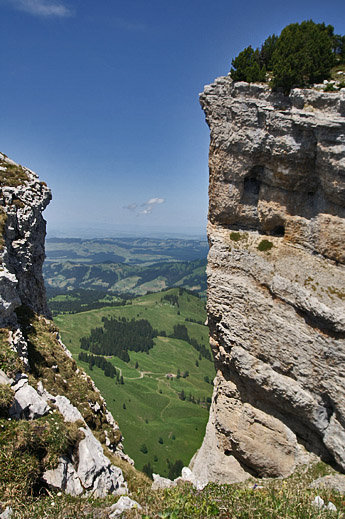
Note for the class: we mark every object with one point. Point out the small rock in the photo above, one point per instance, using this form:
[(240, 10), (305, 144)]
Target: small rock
[(95, 471), (335, 482), (4, 378), (123, 504), (27, 402), (331, 507), (65, 477), (319, 502), (160, 482), (7, 513), (188, 475)]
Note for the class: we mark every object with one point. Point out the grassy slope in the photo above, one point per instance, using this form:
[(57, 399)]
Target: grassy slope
[(151, 414)]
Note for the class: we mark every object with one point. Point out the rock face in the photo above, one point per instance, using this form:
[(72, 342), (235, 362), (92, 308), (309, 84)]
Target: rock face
[(40, 370), (276, 280), (23, 229)]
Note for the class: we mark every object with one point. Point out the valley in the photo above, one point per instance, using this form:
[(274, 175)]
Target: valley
[(127, 265), (163, 400)]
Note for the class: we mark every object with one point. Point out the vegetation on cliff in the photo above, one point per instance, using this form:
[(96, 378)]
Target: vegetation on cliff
[(302, 55)]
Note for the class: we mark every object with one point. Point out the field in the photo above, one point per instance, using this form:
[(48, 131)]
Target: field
[(126, 265), (157, 425)]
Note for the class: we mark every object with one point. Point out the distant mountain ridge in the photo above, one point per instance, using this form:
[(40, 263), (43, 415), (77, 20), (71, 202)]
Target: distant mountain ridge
[(135, 266)]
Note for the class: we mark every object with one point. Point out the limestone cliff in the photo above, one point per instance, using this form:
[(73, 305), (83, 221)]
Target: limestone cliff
[(276, 280), (39, 380)]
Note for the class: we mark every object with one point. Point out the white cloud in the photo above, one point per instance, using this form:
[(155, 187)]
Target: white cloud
[(148, 210), (47, 8), (131, 207), (153, 201), (148, 206)]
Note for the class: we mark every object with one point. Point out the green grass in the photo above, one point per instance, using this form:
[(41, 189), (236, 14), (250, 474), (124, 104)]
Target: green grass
[(29, 447), (153, 408), (271, 499), (14, 176)]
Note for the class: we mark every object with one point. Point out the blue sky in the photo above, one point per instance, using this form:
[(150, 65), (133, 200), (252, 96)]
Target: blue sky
[(100, 98)]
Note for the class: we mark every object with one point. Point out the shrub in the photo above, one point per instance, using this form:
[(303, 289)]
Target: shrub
[(235, 236), (265, 245)]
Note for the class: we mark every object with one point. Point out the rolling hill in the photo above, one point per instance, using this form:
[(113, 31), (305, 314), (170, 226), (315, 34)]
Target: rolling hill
[(162, 404)]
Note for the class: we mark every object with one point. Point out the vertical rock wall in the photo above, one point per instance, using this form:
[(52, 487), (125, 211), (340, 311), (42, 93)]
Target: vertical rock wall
[(276, 280), (22, 199)]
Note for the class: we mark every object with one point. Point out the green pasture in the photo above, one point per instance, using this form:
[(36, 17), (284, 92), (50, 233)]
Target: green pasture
[(147, 406)]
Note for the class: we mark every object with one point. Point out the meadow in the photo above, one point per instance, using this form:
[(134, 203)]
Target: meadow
[(156, 423)]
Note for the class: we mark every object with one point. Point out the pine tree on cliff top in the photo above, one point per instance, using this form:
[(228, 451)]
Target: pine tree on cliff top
[(303, 54)]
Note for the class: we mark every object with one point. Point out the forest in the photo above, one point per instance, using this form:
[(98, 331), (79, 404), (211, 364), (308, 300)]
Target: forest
[(118, 336), (181, 332), (102, 363)]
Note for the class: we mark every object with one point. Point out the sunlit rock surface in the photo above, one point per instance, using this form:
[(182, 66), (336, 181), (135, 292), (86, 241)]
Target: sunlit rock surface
[(276, 280)]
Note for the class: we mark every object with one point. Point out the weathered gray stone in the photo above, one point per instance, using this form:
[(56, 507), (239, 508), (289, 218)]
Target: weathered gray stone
[(65, 477), (90, 474), (95, 471), (27, 402), (21, 280), (276, 314), (4, 379), (68, 411), (332, 481), (190, 477), (159, 482), (7, 513), (123, 504)]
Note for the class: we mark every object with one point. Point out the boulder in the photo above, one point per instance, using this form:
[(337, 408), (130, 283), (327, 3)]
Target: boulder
[(28, 403), (123, 504)]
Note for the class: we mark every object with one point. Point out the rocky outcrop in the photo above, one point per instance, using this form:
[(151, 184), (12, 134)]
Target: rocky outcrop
[(41, 373), (23, 230), (276, 280)]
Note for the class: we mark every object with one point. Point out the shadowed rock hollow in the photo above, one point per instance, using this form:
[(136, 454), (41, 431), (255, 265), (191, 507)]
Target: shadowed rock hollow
[(276, 280)]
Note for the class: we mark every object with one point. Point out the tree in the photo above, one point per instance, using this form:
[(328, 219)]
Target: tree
[(160, 440), (178, 373), (303, 55), (246, 66), (266, 51), (148, 470), (144, 449), (175, 469), (182, 395)]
